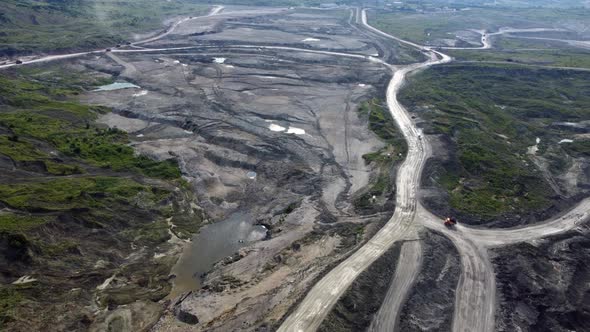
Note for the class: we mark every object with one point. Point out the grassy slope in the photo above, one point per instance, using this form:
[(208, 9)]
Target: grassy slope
[(36, 25), (473, 105), (75, 195)]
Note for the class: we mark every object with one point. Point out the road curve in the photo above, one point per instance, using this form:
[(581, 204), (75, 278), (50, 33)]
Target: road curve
[(280, 48), (322, 297), (49, 58), (214, 11), (475, 300), (506, 236), (475, 297)]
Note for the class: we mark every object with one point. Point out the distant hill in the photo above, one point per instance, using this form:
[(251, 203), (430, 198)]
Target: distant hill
[(32, 26)]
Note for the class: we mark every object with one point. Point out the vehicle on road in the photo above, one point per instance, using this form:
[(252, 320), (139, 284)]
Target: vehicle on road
[(450, 222), (19, 62)]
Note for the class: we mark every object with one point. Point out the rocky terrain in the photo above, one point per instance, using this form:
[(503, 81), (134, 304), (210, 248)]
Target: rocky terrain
[(267, 133), (281, 122), (543, 285)]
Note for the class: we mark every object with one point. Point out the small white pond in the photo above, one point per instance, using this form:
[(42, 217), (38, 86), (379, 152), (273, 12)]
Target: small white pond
[(117, 86)]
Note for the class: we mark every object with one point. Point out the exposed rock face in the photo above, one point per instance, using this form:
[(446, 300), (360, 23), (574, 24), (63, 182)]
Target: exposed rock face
[(187, 317), (430, 305), (544, 285)]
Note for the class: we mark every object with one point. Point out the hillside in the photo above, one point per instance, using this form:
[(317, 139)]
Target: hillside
[(31, 26)]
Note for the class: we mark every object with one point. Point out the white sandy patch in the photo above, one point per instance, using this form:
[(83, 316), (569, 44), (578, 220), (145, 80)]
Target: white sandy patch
[(276, 127), (534, 148), (296, 131), (566, 140), (139, 135), (188, 132), (310, 40), (156, 255), (24, 280), (176, 61), (106, 283), (229, 66), (362, 85), (219, 60), (140, 93)]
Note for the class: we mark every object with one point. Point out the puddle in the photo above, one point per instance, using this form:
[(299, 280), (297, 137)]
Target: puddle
[(251, 175), (117, 86), (213, 243), (219, 60)]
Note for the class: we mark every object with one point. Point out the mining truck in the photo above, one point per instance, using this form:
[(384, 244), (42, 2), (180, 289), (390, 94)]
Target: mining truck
[(450, 222)]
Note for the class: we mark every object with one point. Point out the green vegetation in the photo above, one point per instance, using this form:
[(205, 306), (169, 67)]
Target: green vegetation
[(34, 113), (382, 124), (74, 196), (10, 222), (46, 25), (557, 57), (492, 114), (528, 51), (9, 300), (70, 193)]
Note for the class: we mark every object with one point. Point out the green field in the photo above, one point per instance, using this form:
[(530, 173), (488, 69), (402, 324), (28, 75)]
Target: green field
[(491, 115)]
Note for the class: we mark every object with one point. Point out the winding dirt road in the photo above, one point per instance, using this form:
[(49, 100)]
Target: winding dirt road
[(322, 297), (214, 11), (475, 301)]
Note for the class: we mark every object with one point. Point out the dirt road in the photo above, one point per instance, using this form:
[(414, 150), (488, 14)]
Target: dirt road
[(216, 10), (410, 262), (321, 298)]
